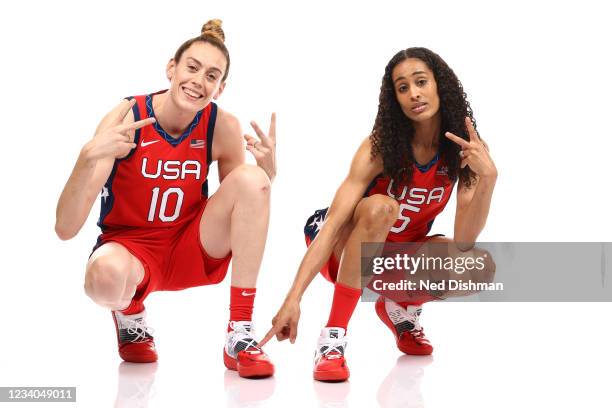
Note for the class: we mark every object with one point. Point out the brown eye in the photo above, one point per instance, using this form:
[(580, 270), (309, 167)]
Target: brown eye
[(421, 82)]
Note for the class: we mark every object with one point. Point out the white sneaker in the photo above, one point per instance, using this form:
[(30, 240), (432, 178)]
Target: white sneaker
[(134, 337), (329, 362), (241, 352), (404, 324)]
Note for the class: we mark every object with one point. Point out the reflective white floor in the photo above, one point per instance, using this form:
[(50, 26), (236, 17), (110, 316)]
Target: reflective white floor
[(486, 355)]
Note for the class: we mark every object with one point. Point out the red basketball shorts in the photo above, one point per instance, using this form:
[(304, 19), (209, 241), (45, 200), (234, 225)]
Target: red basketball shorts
[(173, 258)]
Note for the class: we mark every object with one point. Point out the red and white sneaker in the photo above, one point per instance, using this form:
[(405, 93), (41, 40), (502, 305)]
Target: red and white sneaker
[(242, 354), (329, 362), (404, 323), (136, 343)]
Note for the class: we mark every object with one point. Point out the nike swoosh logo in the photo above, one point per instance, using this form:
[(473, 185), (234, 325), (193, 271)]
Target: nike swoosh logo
[(145, 144), (245, 293)]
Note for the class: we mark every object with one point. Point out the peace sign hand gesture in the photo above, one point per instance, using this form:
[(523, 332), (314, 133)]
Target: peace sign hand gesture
[(474, 153), (115, 140), (264, 149)]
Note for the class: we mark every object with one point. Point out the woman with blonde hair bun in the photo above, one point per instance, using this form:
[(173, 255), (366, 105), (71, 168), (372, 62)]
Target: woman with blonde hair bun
[(149, 161)]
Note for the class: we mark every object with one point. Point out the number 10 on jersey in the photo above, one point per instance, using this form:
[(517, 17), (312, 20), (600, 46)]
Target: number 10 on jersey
[(161, 213)]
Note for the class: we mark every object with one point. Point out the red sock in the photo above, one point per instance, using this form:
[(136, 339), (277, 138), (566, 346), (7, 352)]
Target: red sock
[(135, 307), (241, 304), (343, 305)]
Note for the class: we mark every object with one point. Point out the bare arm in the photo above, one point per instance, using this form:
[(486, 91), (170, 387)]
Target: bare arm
[(473, 205), (113, 139), (473, 202), (363, 170), (361, 173), (228, 147)]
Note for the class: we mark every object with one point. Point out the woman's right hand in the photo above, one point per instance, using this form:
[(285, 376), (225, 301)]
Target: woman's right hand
[(285, 323), (115, 140)]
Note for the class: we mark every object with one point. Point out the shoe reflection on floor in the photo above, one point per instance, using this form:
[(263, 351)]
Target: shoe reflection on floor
[(242, 392), (402, 386), (135, 384)]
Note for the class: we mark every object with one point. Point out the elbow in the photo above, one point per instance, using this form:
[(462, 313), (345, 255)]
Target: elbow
[(63, 232), (464, 245), (464, 242)]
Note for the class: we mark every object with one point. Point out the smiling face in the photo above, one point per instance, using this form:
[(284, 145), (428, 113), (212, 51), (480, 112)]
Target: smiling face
[(416, 90), (197, 77)]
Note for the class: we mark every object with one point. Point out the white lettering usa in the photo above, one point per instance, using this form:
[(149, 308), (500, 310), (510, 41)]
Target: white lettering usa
[(171, 169)]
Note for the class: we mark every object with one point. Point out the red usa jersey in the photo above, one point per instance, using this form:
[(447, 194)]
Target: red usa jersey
[(420, 201), (162, 182)]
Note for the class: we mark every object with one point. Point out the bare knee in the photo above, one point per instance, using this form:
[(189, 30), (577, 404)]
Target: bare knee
[(250, 180), (105, 280), (376, 212)]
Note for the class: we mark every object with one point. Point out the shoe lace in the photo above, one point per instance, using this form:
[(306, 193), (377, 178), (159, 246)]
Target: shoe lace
[(138, 328), (417, 332), (333, 348), (242, 338), (413, 317)]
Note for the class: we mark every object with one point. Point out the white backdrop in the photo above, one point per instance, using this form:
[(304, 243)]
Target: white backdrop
[(537, 76)]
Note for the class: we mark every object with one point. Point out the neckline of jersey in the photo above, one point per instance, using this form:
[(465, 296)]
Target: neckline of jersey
[(424, 168), (165, 135)]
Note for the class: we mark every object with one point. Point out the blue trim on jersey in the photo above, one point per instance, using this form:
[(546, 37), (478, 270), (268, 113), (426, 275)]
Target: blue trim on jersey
[(210, 130), (106, 203), (99, 243), (205, 188), (429, 225), (173, 142), (423, 168)]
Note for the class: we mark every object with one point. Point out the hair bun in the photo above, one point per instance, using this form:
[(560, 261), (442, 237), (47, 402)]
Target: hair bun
[(213, 28)]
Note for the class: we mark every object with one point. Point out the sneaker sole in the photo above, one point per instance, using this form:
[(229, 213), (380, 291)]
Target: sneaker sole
[(138, 359), (382, 315), (331, 376), (256, 371)]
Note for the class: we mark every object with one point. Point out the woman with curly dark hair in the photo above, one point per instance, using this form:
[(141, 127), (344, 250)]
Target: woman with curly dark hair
[(424, 139)]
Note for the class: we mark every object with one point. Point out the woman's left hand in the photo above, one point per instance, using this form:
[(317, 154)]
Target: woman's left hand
[(474, 153), (264, 149)]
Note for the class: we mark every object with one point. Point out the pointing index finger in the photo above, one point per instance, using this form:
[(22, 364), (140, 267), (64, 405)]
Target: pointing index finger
[(268, 336)]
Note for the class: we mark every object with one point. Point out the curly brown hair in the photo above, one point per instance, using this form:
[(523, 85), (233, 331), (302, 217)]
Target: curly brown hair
[(393, 132)]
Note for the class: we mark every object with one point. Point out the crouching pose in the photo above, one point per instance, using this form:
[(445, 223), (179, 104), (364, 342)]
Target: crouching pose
[(424, 140), (150, 158)]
